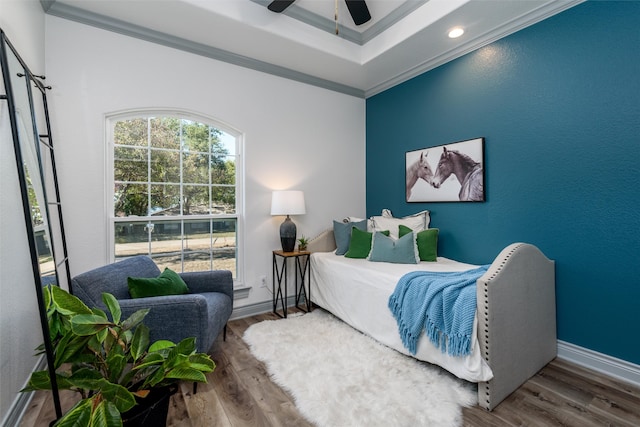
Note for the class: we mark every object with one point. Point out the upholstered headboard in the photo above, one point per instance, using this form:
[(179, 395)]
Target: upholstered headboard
[(323, 242)]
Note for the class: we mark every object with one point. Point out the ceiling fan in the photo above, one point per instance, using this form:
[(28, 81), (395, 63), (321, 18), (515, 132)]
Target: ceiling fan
[(357, 8)]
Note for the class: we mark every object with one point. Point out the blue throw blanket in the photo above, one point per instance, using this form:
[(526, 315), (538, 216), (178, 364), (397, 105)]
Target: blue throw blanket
[(442, 303)]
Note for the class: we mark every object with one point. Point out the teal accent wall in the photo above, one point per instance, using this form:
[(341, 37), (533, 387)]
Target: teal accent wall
[(558, 104)]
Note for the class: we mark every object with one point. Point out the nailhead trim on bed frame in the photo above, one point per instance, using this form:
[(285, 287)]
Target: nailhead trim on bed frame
[(485, 385)]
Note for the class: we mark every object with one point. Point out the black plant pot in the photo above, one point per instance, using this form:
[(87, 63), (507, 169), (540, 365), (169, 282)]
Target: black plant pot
[(152, 410)]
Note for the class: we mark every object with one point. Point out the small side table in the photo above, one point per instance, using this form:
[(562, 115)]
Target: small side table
[(302, 267)]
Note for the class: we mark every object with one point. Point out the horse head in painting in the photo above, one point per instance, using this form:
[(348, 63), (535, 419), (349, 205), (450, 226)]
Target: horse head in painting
[(420, 169), (467, 171)]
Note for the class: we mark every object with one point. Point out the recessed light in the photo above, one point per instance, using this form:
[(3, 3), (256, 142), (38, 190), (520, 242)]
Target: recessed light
[(456, 32)]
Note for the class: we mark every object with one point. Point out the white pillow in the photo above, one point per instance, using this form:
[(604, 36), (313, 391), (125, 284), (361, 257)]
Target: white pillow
[(352, 219), (387, 213), (417, 222)]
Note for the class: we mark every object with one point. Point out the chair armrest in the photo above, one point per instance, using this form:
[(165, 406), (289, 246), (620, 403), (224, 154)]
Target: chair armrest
[(209, 281)]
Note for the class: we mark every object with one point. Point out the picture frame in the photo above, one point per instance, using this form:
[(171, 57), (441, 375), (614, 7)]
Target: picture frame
[(451, 172)]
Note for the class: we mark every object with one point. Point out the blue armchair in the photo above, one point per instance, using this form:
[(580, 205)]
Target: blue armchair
[(202, 313)]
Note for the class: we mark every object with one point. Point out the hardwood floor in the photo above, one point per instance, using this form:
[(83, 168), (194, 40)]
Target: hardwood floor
[(240, 393)]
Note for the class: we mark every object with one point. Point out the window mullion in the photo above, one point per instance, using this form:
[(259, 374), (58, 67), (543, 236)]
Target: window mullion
[(210, 190), (182, 227), (149, 229)]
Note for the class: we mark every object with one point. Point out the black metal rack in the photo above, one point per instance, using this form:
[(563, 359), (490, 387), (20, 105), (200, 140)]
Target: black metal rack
[(19, 81)]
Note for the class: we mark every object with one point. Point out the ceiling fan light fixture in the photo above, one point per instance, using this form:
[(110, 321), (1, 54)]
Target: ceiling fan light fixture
[(456, 32)]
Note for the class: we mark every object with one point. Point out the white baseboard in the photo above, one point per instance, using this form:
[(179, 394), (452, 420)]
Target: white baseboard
[(258, 308), (18, 409), (22, 400), (608, 365)]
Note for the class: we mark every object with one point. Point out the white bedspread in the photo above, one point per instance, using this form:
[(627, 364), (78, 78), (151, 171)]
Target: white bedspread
[(357, 291)]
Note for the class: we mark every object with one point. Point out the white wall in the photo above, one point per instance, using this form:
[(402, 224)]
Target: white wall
[(20, 333), (296, 136)]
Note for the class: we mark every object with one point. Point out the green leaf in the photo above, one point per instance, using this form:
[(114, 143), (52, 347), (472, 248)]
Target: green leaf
[(116, 363), (202, 362), (86, 383), (155, 378), (78, 416), (109, 340), (113, 306), (117, 349), (46, 297), (59, 350), (94, 344), (106, 415), (39, 380), (63, 381), (88, 324), (66, 303), (65, 322), (118, 395), (151, 359), (86, 373), (140, 342), (102, 335), (161, 345), (127, 336), (176, 361), (186, 374), (98, 312), (186, 346), (55, 328), (69, 349), (135, 319)]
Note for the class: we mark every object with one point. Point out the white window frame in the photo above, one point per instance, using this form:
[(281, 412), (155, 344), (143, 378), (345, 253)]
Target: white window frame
[(110, 121)]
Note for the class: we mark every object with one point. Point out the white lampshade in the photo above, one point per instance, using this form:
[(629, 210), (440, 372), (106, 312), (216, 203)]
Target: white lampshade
[(288, 202)]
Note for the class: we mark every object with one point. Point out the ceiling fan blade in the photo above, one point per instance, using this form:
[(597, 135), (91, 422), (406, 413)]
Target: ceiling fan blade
[(279, 6), (359, 11)]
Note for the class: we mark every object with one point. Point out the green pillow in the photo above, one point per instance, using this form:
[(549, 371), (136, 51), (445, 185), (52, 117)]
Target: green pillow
[(400, 251), (167, 283), (360, 244), (427, 241)]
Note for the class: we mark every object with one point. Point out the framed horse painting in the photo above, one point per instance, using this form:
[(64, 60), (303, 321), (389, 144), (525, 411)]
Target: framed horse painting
[(446, 173)]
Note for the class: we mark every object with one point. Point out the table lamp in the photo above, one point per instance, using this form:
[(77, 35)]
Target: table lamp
[(287, 203)]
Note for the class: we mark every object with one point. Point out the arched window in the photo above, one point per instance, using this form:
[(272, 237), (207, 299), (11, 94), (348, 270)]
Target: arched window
[(176, 190)]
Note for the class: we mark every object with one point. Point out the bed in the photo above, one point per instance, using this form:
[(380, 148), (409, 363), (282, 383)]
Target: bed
[(514, 327)]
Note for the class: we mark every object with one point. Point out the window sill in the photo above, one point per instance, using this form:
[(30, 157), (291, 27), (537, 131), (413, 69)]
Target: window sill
[(241, 292)]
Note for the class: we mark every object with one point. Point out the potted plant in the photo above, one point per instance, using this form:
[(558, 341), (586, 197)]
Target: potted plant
[(302, 243), (111, 363)]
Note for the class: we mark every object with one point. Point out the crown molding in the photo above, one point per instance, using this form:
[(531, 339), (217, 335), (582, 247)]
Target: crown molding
[(391, 19), (117, 26), (46, 4)]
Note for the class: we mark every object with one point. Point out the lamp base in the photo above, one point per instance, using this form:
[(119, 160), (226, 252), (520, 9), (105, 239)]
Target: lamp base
[(288, 235)]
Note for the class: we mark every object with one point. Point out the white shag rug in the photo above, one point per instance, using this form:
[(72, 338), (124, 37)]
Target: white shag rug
[(340, 377)]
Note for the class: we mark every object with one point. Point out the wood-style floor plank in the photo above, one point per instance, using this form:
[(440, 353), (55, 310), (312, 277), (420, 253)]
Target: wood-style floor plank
[(240, 393)]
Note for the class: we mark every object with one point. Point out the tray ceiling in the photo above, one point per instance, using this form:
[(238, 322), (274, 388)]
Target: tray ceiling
[(403, 39)]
